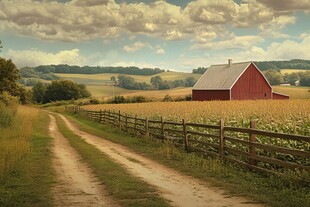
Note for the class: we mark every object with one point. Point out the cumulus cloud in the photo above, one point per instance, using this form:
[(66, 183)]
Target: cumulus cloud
[(32, 58), (238, 42), (287, 5), (134, 47), (274, 27), (79, 20)]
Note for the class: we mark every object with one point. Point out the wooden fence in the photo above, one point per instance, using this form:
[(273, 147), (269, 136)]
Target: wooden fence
[(256, 149)]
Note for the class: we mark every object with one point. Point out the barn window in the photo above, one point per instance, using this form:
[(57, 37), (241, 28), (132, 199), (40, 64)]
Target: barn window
[(265, 94)]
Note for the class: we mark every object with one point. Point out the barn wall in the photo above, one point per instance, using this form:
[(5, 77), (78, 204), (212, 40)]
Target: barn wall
[(208, 95), (279, 96), (251, 85)]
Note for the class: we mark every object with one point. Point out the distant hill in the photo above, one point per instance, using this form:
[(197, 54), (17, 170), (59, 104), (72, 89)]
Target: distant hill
[(286, 64)]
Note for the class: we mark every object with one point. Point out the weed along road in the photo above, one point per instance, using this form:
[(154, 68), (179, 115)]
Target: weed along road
[(180, 190), (76, 184)]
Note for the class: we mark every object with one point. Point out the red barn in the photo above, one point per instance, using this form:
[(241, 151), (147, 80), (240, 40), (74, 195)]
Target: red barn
[(233, 81)]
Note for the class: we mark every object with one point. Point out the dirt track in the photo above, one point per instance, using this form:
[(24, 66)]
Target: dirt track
[(76, 184), (181, 190)]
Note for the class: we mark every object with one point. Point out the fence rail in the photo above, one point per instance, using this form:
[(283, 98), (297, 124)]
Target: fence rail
[(215, 140)]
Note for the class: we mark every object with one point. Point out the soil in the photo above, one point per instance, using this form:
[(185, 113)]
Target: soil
[(76, 184), (179, 189)]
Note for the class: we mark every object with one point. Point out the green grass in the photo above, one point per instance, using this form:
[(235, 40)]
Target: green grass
[(125, 188), (293, 91), (271, 190), (28, 180)]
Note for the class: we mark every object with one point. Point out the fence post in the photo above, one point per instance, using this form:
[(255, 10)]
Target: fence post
[(126, 122), (135, 122), (252, 139), (185, 135), (146, 127), (162, 127), (100, 116), (222, 141), (119, 119)]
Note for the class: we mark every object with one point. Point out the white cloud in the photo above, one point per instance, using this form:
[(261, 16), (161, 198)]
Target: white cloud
[(238, 42), (134, 47), (160, 51), (274, 27), (79, 20), (35, 57)]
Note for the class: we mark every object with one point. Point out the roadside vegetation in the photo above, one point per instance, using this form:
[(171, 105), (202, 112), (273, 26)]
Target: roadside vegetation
[(26, 173), (267, 189), (125, 188)]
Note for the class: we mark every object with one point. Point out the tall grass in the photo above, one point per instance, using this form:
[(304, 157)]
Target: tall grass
[(15, 129), (26, 173)]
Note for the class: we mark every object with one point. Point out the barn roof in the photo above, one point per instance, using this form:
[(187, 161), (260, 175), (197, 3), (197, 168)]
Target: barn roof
[(221, 77)]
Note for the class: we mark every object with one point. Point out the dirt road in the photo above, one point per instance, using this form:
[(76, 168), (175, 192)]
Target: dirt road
[(76, 186), (180, 189)]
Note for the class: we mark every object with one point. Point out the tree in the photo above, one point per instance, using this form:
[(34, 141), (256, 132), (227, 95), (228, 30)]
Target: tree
[(274, 77), (8, 77), (113, 78), (156, 81), (190, 82), (200, 70), (291, 78), (62, 90), (38, 92), (305, 79), (83, 91)]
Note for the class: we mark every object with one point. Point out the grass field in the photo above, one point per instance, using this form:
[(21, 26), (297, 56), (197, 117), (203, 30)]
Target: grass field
[(283, 71), (293, 91), (103, 78)]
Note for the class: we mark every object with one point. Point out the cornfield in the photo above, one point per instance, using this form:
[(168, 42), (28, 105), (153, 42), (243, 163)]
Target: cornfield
[(289, 116)]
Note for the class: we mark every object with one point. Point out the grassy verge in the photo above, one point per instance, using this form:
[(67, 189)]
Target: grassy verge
[(271, 190), (26, 175), (126, 189)]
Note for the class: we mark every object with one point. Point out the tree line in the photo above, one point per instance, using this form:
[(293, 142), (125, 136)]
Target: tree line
[(156, 82), (45, 69), (275, 77), (276, 65)]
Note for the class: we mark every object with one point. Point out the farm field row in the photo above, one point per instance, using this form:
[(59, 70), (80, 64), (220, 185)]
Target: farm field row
[(289, 116)]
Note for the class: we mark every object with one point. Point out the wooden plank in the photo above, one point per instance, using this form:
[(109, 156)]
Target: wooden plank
[(157, 128), (203, 134), (174, 130), (203, 125), (234, 140), (173, 123), (155, 121), (281, 135), (236, 151), (282, 150), (278, 162), (269, 134), (216, 146)]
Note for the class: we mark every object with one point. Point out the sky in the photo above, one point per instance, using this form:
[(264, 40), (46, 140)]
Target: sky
[(177, 35)]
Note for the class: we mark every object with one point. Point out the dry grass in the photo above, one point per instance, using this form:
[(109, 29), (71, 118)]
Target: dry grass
[(14, 140)]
